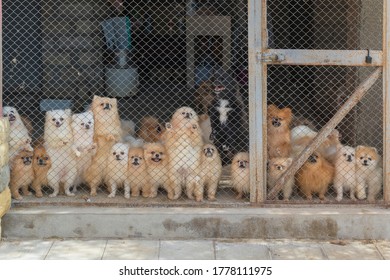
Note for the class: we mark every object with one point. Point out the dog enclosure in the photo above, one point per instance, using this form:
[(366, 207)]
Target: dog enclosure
[(155, 57)]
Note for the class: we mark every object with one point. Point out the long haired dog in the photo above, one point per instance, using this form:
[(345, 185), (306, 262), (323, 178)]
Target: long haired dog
[(156, 159), (21, 173), (184, 147), (240, 174), (226, 115), (276, 168), (19, 137), (117, 169), (315, 176), (41, 166), (137, 174), (278, 131), (150, 130), (368, 173), (345, 172), (182, 117), (210, 169), (58, 140), (107, 132), (83, 145)]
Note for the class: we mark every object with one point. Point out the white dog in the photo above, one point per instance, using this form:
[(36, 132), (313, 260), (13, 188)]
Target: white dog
[(83, 145), (18, 137), (345, 172), (58, 143), (117, 169)]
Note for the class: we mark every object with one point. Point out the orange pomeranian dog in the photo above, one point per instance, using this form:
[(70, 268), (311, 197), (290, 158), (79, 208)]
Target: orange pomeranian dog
[(278, 131), (211, 169), (137, 174), (315, 176), (107, 132), (41, 165), (150, 129), (157, 161), (21, 173), (240, 174)]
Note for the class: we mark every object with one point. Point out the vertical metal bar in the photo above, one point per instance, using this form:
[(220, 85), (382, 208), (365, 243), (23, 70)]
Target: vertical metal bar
[(256, 132), (386, 97)]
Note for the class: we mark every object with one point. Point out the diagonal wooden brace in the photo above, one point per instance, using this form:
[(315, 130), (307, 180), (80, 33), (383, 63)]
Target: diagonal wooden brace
[(325, 131)]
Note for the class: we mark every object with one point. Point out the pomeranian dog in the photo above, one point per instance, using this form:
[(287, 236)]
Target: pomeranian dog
[(345, 172), (22, 173), (150, 130), (59, 145), (156, 159), (205, 95), (278, 131), (116, 175), (211, 170), (315, 176), (137, 174), (41, 165), (368, 173), (19, 137), (240, 174), (276, 168), (184, 147), (182, 117), (107, 132), (301, 137), (83, 145)]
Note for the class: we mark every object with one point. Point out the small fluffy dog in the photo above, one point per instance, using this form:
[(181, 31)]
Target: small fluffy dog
[(184, 147), (19, 137), (59, 145), (240, 174), (315, 176), (276, 168), (21, 173), (156, 159), (41, 166), (278, 131), (107, 132), (368, 173), (137, 174), (182, 117), (345, 172), (211, 169), (117, 169), (150, 130), (83, 145)]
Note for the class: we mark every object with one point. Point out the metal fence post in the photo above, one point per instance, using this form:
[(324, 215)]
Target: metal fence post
[(386, 103)]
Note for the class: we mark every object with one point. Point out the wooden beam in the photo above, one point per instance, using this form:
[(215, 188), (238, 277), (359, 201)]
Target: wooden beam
[(325, 131)]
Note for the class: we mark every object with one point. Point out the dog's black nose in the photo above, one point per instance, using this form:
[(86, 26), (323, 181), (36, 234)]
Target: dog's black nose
[(107, 106), (41, 162), (87, 126), (276, 122), (312, 159), (188, 116), (157, 155), (118, 157), (365, 162), (349, 158)]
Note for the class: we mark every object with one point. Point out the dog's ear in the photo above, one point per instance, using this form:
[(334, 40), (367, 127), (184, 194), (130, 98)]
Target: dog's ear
[(374, 149), (287, 113), (114, 102), (358, 148), (68, 112)]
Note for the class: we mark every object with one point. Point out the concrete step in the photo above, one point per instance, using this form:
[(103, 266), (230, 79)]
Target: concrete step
[(324, 223)]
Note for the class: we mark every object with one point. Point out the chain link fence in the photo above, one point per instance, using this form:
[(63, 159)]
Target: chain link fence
[(146, 102)]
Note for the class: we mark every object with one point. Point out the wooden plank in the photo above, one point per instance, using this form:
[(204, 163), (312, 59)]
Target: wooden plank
[(386, 100), (327, 57), (325, 131)]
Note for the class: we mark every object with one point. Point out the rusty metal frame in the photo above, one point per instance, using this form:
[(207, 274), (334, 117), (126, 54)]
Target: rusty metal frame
[(386, 100)]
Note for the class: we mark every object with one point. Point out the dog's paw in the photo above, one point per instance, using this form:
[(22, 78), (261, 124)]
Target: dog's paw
[(53, 195), (78, 153), (127, 195), (111, 195)]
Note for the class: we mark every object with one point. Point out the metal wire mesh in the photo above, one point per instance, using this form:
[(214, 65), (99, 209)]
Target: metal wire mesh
[(150, 58), (314, 94)]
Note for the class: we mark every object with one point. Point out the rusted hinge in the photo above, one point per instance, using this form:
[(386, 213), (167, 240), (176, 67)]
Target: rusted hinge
[(270, 57)]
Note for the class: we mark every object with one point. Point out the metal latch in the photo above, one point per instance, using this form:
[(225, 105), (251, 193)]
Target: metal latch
[(270, 57)]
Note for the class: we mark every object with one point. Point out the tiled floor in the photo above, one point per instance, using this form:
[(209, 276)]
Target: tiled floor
[(191, 249)]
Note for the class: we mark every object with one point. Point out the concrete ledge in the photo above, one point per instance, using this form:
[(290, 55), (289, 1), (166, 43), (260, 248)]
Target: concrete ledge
[(194, 223)]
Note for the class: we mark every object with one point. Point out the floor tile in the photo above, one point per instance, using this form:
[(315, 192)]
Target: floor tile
[(241, 251), (131, 250), (351, 251), (186, 250), (24, 250), (77, 250), (296, 252)]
